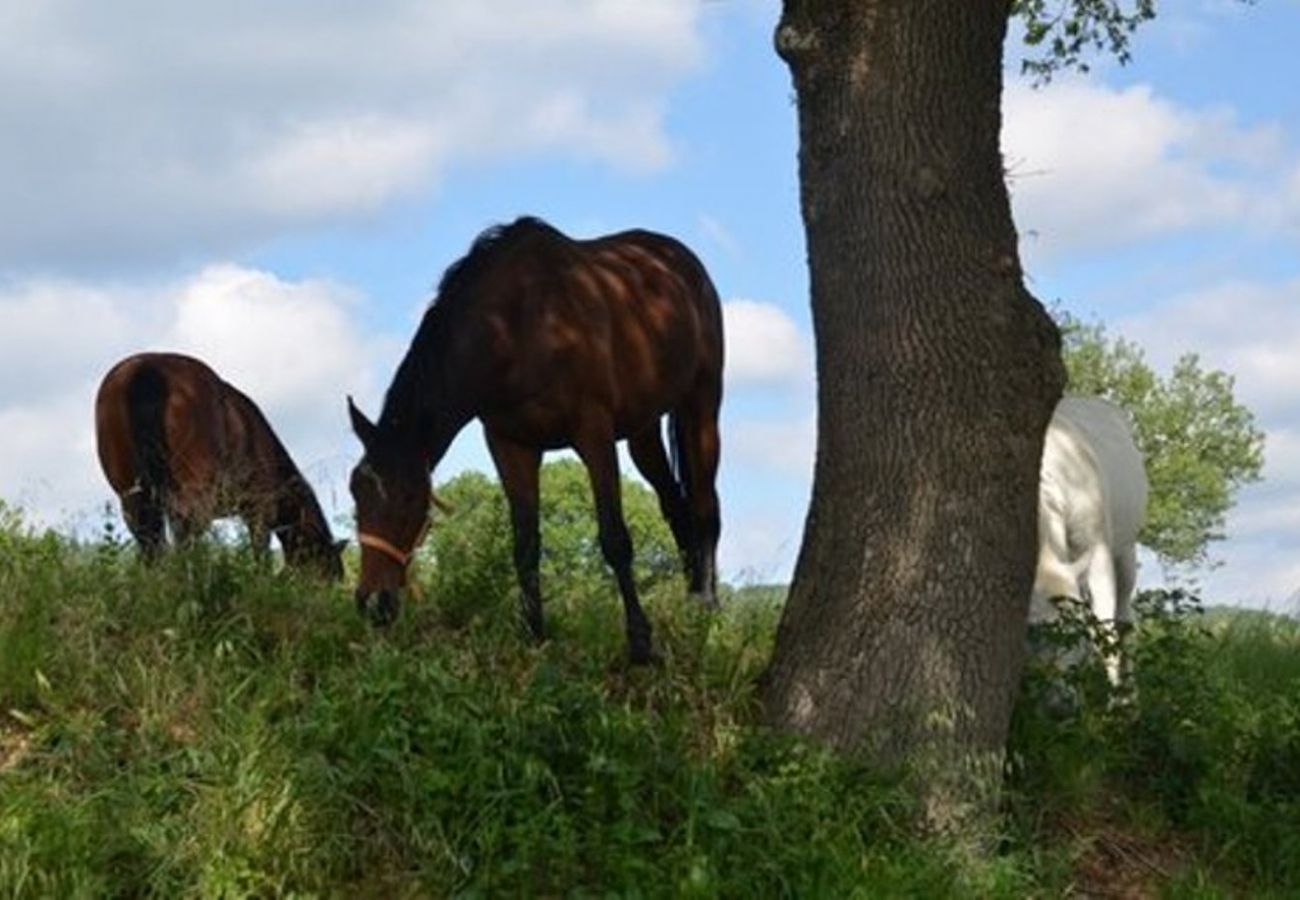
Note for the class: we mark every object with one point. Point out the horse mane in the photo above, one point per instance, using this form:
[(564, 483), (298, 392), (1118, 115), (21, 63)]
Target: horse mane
[(460, 277), (412, 388)]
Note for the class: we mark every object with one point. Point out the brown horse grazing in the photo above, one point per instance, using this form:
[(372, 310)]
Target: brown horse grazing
[(553, 342), (182, 447)]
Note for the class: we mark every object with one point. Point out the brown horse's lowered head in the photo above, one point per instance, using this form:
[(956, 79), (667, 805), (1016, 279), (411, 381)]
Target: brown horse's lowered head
[(305, 536), (390, 487)]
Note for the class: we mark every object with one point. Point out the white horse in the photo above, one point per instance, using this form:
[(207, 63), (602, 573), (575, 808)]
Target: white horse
[(1092, 500)]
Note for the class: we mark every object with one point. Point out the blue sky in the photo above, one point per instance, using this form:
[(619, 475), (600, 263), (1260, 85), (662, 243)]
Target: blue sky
[(279, 193)]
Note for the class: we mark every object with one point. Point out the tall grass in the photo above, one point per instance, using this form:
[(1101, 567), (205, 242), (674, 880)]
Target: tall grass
[(207, 728)]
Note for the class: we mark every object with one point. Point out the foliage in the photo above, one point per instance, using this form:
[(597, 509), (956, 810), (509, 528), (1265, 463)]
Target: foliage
[(1200, 445), (1065, 30), (1202, 740), (207, 728), (471, 548)]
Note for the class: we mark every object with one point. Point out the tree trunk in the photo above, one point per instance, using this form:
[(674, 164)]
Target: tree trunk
[(937, 374)]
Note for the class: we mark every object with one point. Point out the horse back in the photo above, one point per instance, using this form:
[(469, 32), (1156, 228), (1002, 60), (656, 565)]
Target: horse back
[(1093, 472), (630, 321)]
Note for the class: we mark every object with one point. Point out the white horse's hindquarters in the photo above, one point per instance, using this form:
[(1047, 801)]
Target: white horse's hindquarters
[(1092, 501)]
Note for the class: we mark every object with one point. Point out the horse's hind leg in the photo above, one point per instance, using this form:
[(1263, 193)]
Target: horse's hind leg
[(518, 467), (1125, 581), (601, 458), (1103, 590), (144, 519), (647, 451), (696, 435)]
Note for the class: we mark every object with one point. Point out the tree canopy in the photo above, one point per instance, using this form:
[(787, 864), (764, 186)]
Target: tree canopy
[(1200, 444)]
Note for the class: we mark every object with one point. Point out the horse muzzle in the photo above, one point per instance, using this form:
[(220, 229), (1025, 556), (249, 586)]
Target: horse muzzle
[(380, 607)]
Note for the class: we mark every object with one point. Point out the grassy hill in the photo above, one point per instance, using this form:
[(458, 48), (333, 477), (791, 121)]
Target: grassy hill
[(208, 729)]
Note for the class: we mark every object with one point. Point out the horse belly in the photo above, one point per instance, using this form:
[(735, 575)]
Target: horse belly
[(533, 422), (651, 384)]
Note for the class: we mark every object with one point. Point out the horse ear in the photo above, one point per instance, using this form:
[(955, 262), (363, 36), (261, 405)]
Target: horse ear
[(363, 427)]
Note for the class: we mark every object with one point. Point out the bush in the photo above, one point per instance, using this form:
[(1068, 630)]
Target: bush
[(470, 550), (1205, 734)]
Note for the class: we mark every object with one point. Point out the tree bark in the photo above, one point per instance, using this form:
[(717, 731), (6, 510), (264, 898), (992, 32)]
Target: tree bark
[(937, 374)]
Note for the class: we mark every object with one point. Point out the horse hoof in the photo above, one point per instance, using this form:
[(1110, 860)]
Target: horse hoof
[(644, 656)]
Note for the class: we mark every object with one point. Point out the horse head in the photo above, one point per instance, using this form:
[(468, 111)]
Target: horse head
[(390, 488)]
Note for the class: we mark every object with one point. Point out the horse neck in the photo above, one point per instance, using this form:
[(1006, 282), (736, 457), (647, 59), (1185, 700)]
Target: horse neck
[(296, 507), (428, 399), (299, 512)]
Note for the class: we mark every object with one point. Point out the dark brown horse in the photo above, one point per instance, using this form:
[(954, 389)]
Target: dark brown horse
[(553, 342), (182, 447)]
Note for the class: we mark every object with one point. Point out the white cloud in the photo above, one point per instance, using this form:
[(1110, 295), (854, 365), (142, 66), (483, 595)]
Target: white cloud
[(1250, 329), (1093, 166), (784, 446), (48, 465), (293, 344), (763, 548), (148, 128), (324, 168), (55, 331), (764, 345)]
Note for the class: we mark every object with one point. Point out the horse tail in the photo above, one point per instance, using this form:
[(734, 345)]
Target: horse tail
[(709, 307), (146, 399)]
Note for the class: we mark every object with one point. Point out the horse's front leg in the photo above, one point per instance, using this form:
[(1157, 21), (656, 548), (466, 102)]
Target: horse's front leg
[(1103, 592), (259, 538), (519, 468)]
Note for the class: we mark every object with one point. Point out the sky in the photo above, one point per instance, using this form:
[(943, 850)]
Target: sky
[(276, 188)]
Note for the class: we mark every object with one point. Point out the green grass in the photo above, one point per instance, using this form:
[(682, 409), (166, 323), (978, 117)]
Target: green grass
[(209, 729)]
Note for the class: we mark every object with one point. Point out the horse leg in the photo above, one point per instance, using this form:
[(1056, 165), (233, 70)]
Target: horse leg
[(259, 538), (144, 519), (697, 437), (518, 467), (601, 458), (1125, 580), (647, 451), (1102, 588), (184, 530), (185, 524)]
